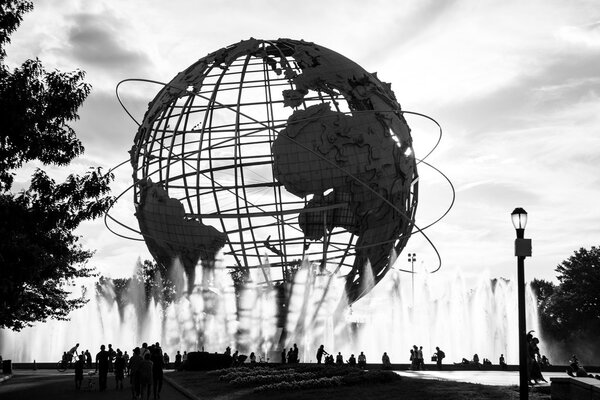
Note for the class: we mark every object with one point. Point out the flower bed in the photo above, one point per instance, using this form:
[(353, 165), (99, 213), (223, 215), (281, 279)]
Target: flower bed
[(236, 373), (298, 385), (276, 378), (273, 378)]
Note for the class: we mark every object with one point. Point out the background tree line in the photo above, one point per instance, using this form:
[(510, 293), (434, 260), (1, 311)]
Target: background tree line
[(570, 310), (149, 283)]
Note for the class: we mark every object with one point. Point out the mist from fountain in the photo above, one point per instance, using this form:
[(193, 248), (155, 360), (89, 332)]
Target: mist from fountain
[(461, 319)]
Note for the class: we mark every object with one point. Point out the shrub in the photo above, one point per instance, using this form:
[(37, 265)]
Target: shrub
[(272, 378), (299, 385)]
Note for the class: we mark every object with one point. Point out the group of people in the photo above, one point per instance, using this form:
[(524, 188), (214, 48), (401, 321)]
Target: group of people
[(291, 356), (417, 361), (144, 367), (339, 358)]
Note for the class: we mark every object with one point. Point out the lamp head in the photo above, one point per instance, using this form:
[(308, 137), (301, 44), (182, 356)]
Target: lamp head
[(519, 218)]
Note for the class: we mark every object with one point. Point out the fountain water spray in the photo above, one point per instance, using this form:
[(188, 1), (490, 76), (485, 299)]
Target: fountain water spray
[(459, 318)]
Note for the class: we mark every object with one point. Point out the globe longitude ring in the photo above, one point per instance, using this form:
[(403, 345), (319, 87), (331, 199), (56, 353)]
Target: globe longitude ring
[(280, 147)]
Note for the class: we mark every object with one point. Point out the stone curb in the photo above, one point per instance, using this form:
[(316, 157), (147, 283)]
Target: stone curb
[(180, 388), (5, 378)]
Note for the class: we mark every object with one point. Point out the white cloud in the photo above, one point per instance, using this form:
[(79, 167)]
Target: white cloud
[(587, 35), (515, 86)]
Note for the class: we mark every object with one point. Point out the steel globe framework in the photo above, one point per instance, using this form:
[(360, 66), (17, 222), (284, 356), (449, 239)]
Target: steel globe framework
[(277, 148)]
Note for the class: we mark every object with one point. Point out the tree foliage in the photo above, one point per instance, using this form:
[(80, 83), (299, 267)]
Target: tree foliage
[(11, 15), (570, 311), (149, 283), (35, 106), (576, 302), (157, 284), (544, 291), (39, 254)]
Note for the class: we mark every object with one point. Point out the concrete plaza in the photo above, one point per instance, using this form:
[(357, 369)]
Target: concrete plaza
[(51, 384)]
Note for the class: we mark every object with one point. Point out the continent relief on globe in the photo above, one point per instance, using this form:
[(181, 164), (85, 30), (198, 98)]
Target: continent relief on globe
[(169, 235), (321, 149)]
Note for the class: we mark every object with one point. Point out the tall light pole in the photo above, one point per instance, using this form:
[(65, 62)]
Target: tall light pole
[(412, 257), (522, 250)]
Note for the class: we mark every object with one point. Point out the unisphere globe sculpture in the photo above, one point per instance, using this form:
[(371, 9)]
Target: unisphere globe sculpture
[(278, 148)]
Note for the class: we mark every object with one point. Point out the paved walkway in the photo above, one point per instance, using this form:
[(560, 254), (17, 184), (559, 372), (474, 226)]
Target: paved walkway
[(50, 385), (497, 378)]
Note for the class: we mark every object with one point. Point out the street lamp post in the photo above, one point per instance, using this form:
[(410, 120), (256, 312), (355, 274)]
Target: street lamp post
[(412, 257), (522, 250)]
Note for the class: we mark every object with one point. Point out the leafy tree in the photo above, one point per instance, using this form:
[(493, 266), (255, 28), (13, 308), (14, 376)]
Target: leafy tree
[(576, 303), (39, 254), (544, 291), (570, 311), (11, 15), (156, 282), (149, 276)]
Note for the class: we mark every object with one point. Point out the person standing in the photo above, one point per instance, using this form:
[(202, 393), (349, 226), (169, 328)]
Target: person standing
[(111, 356), (145, 374), (295, 354), (177, 360), (79, 364), (415, 358), (362, 360), (88, 358), (440, 355), (134, 368), (126, 362), (102, 367), (283, 356), (144, 350), (421, 360), (119, 367), (320, 352), (157, 371)]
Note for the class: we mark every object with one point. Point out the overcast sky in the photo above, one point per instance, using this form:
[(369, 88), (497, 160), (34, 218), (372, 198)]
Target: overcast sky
[(514, 84)]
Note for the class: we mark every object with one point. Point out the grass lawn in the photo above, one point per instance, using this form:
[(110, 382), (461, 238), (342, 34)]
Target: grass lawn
[(208, 386)]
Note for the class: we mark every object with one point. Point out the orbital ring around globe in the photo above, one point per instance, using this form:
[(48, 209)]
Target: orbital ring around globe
[(277, 146), (418, 229)]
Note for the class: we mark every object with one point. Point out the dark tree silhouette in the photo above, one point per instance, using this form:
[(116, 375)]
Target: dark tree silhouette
[(149, 277), (39, 254), (576, 302), (156, 282), (570, 311), (544, 290)]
